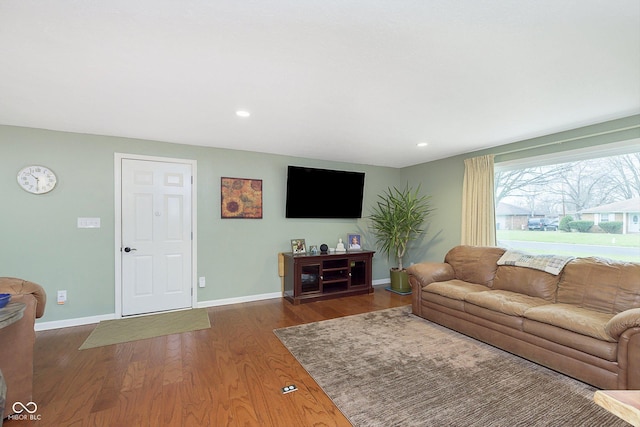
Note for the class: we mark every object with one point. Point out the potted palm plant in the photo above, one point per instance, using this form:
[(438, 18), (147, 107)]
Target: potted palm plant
[(398, 218)]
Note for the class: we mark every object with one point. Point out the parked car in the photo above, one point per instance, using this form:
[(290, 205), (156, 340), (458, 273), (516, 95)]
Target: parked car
[(542, 224)]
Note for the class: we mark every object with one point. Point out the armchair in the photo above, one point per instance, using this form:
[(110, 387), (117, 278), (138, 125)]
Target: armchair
[(18, 339)]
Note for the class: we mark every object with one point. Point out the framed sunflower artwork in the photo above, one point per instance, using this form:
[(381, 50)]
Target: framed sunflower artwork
[(241, 198)]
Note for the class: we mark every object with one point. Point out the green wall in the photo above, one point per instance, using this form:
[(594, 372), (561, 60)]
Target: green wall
[(41, 242)]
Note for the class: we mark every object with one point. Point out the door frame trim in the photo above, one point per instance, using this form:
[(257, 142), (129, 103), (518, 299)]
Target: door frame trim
[(117, 173)]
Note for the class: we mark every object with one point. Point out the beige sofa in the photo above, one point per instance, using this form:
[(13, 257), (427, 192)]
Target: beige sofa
[(17, 340), (583, 321)]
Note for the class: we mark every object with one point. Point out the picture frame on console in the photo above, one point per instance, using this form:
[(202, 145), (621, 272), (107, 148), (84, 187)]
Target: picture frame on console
[(354, 242), (298, 246)]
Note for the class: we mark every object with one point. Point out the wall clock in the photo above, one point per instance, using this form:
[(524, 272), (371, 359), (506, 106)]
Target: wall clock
[(37, 179)]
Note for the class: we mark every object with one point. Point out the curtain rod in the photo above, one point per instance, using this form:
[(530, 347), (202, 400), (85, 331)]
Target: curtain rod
[(567, 140)]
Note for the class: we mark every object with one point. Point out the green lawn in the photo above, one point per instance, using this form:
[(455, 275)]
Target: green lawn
[(600, 239), (597, 240)]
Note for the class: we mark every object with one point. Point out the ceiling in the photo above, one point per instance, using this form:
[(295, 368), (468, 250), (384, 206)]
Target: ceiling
[(361, 81)]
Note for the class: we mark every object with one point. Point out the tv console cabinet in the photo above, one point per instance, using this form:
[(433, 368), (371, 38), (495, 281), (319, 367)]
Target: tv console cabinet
[(310, 278)]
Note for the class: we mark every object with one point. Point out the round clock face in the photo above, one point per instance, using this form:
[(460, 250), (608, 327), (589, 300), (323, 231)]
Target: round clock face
[(37, 179)]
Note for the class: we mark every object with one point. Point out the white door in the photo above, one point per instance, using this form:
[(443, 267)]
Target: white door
[(156, 236), (634, 223)]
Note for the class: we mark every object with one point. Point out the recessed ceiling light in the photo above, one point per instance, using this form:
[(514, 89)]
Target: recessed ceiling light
[(242, 113), (422, 144)]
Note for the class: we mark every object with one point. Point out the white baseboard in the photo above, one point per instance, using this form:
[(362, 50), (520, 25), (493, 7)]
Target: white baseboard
[(238, 300), (57, 324), (67, 323)]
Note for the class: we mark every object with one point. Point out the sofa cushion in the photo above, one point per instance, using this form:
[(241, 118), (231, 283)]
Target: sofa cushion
[(497, 319), (605, 350), (474, 264), (454, 289), (454, 304), (527, 281), (580, 320), (600, 284), (505, 302)]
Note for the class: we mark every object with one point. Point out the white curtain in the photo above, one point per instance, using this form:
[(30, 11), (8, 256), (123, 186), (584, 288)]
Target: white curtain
[(478, 207)]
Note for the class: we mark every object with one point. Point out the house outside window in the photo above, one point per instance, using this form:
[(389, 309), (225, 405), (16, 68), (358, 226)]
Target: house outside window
[(589, 201)]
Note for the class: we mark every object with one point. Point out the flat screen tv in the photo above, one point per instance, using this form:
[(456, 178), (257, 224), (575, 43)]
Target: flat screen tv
[(324, 193)]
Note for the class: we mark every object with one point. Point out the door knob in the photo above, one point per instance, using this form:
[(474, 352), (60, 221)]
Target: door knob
[(128, 249)]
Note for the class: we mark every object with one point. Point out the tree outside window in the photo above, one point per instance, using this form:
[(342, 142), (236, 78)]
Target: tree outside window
[(590, 206)]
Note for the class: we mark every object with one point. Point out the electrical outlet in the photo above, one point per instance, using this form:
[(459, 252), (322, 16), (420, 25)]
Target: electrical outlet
[(289, 389), (62, 297), (201, 282)]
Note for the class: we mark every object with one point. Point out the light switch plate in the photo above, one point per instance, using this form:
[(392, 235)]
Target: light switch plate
[(88, 222)]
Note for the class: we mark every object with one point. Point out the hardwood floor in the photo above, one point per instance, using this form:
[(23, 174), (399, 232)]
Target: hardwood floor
[(228, 375)]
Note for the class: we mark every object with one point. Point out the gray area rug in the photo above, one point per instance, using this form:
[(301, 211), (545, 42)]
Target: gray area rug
[(391, 368)]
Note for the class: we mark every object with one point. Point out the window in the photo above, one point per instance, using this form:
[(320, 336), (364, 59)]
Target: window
[(605, 217), (580, 203)]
